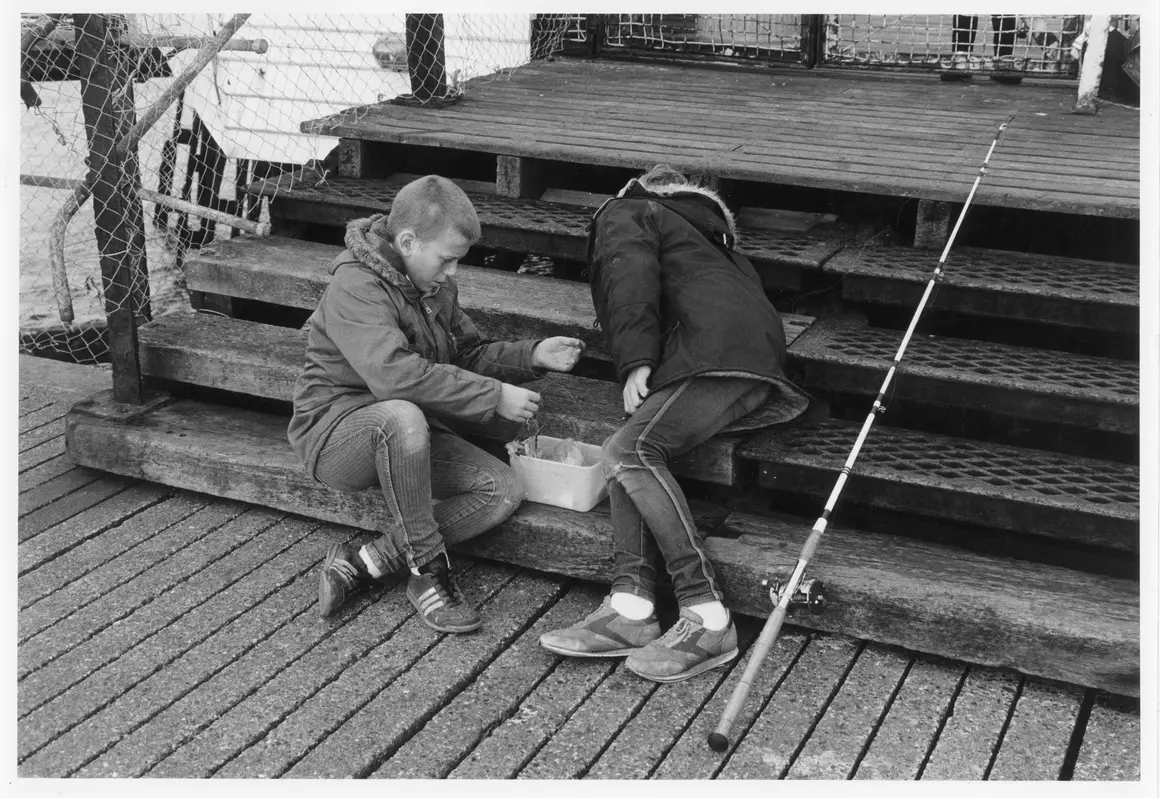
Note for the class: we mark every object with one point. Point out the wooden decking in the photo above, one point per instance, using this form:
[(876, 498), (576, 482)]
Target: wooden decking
[(911, 136), (168, 633)]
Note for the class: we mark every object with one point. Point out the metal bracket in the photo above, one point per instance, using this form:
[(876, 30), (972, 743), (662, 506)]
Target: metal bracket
[(810, 593)]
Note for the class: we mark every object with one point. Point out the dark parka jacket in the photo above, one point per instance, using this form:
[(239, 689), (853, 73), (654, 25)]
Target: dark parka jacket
[(375, 337), (670, 292)]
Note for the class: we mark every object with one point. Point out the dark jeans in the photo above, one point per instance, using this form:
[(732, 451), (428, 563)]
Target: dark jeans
[(964, 27), (390, 445), (649, 510)]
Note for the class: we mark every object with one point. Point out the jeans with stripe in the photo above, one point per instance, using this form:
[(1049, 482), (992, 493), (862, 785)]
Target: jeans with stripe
[(650, 514), (390, 445)]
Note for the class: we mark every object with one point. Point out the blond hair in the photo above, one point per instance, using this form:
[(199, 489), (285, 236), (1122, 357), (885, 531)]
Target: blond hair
[(428, 206), (662, 175)]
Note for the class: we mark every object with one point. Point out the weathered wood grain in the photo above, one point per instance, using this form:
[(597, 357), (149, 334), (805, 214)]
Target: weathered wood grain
[(968, 741), (1044, 620), (873, 145), (771, 744), (262, 360), (496, 695), (1036, 742), (853, 716), (1111, 746), (905, 736), (271, 597), (292, 743), (364, 741)]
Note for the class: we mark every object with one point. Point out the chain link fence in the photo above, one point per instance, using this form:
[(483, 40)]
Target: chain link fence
[(237, 119)]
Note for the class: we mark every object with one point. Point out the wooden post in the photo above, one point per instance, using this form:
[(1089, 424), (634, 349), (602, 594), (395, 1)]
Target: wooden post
[(426, 60), (813, 39), (932, 227), (107, 100), (1092, 66), (516, 176)]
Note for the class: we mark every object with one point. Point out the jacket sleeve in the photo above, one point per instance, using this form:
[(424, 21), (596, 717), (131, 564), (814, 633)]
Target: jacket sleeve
[(625, 273), (362, 321), (507, 361)]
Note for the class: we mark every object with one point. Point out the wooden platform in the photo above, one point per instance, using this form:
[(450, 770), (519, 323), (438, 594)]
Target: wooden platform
[(170, 633), (901, 136)]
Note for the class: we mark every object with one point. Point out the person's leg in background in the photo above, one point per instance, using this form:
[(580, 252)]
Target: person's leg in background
[(1004, 35), (963, 28)]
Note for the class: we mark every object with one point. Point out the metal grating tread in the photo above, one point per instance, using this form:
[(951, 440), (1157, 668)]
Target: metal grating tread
[(1035, 370), (1008, 272), (537, 216), (1074, 483)]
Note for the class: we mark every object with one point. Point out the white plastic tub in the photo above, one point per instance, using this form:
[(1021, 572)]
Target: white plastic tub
[(575, 487)]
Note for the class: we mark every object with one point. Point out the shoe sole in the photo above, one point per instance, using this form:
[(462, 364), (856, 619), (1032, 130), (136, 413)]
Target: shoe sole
[(564, 652), (696, 670)]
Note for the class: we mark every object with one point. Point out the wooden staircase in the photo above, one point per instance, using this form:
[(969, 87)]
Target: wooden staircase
[(997, 523)]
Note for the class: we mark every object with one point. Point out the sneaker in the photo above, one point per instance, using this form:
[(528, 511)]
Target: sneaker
[(685, 650), (604, 633), (434, 594), (342, 570)]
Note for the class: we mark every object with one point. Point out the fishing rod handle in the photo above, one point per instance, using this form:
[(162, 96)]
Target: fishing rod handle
[(719, 739)]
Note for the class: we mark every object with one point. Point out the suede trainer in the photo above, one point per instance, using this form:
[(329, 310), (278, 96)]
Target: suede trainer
[(685, 650), (604, 633)]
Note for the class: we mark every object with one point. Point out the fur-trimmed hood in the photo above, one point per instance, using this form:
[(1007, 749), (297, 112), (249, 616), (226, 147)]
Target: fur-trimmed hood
[(375, 252), (675, 190)]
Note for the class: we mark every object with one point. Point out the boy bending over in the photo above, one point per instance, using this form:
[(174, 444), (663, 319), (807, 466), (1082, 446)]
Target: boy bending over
[(393, 365)]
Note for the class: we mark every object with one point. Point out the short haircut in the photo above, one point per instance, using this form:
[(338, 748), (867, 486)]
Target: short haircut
[(430, 205)]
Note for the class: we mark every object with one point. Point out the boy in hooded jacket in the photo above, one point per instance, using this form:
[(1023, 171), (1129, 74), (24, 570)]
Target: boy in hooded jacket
[(393, 368), (699, 349)]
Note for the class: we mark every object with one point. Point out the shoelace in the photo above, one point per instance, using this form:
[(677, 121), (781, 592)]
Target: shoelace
[(345, 571), (679, 631), (447, 588)]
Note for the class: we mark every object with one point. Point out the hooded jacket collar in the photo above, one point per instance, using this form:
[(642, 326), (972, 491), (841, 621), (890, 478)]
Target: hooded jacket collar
[(705, 210), (376, 254)]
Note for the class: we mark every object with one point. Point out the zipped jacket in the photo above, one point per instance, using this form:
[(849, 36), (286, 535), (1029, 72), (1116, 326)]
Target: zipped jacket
[(671, 293), (375, 337)]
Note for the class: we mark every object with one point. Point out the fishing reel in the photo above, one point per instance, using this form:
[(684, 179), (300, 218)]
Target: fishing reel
[(810, 593)]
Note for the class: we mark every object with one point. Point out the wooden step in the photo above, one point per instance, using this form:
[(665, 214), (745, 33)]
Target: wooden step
[(1039, 619), (553, 229), (997, 284), (1095, 502), (263, 360), (1077, 390), (960, 480), (286, 271)]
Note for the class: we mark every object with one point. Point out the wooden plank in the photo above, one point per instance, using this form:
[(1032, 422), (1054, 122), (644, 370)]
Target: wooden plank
[(292, 743), (216, 632), (640, 747), (1044, 620), (496, 695), (381, 726), (967, 742), (54, 489), (262, 360), (82, 575), (504, 752), (518, 177), (48, 470), (69, 662), (836, 744), (1036, 741), (367, 623), (905, 737), (260, 667), (577, 743), (772, 743), (1111, 749), (691, 757)]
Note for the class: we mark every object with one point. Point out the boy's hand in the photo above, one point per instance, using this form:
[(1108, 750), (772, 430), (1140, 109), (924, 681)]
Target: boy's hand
[(557, 354), (517, 404), (636, 388)]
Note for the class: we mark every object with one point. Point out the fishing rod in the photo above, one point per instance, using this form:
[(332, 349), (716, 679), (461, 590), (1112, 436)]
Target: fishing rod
[(811, 592)]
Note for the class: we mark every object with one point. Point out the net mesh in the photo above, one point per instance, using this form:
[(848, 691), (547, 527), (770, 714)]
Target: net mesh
[(239, 118)]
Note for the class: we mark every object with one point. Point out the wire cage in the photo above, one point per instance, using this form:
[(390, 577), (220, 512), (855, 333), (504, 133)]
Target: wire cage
[(1044, 46)]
